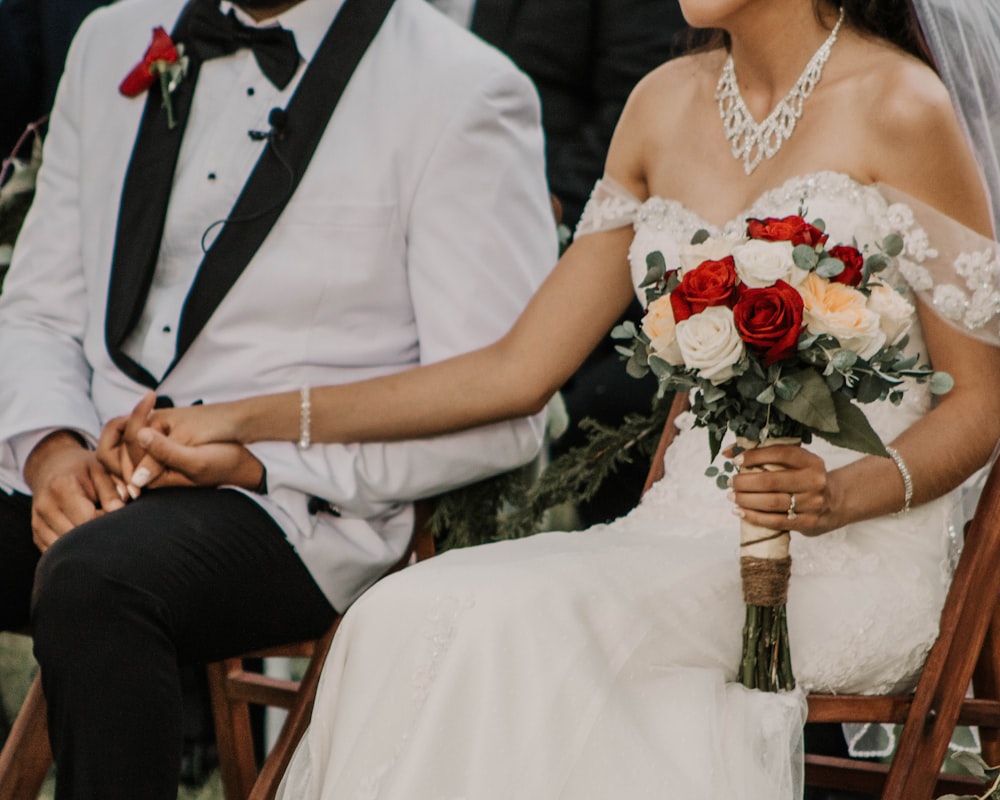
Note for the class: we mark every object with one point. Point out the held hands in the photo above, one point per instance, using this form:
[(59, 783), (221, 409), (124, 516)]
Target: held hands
[(175, 447), (765, 498)]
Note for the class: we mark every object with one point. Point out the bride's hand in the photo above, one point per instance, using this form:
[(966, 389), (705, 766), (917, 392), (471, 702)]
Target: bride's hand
[(763, 496)]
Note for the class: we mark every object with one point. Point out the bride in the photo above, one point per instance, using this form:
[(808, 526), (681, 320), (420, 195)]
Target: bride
[(601, 664)]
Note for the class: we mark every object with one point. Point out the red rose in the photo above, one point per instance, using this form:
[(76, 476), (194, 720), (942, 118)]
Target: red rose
[(711, 283), (142, 76), (853, 263), (792, 229), (769, 320)]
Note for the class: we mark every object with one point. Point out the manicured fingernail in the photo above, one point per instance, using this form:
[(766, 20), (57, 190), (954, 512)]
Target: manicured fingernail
[(140, 477), (738, 460), (738, 512), (731, 496), (113, 505), (122, 491), (144, 437), (133, 491)]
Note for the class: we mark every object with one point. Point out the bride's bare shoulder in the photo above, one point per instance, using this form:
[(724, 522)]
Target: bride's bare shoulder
[(917, 143), (663, 109), (679, 82)]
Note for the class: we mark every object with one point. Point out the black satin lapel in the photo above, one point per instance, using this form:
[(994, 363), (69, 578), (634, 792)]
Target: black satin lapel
[(269, 187), (142, 211), (491, 20)]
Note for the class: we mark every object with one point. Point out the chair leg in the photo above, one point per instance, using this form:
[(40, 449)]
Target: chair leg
[(296, 723), (27, 756), (986, 685), (233, 734)]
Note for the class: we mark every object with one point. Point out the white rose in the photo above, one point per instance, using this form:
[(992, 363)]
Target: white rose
[(658, 324), (895, 313), (712, 249), (843, 312), (710, 343), (760, 263)]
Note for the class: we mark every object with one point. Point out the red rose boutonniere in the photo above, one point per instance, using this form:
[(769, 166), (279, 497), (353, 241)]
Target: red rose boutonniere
[(165, 63)]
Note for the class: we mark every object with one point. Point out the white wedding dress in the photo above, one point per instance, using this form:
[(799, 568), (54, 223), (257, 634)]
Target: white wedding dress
[(599, 665)]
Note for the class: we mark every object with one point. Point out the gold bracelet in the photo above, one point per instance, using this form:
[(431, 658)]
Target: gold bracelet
[(907, 478)]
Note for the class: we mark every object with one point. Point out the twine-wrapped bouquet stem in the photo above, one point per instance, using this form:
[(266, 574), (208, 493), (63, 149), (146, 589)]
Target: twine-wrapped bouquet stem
[(765, 568)]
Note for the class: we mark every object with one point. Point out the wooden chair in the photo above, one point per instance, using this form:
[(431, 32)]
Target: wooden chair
[(234, 688), (967, 649), (26, 756)]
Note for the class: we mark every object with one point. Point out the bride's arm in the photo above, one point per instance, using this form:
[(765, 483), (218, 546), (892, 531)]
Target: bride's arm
[(575, 307)]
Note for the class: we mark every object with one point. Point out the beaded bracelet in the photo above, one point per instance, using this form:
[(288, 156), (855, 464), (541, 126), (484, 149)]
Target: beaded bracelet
[(305, 418), (907, 478)]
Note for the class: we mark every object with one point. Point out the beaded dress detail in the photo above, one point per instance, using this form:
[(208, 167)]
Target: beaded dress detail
[(600, 664)]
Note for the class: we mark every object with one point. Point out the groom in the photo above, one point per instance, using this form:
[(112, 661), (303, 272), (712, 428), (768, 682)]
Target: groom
[(250, 228)]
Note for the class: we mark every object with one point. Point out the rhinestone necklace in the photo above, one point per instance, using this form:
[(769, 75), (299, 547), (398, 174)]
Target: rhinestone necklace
[(754, 142)]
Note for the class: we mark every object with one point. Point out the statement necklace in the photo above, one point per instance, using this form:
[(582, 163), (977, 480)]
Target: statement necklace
[(750, 141)]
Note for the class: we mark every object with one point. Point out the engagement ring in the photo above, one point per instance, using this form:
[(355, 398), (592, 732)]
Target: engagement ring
[(791, 507)]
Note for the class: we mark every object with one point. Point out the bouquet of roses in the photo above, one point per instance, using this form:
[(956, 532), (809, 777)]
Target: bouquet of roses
[(777, 336)]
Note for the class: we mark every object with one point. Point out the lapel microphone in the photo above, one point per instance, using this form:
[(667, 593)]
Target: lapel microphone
[(278, 120)]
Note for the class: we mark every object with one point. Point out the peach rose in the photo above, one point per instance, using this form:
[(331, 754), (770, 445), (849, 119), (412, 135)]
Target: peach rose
[(658, 324), (841, 311)]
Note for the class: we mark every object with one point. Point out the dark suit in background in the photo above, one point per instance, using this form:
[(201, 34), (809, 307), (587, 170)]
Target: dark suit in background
[(34, 38), (585, 56)]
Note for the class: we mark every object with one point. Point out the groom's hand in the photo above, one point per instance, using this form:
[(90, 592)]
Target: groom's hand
[(69, 486), (168, 462)]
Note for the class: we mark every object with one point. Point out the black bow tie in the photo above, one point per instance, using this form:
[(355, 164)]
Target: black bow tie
[(213, 35)]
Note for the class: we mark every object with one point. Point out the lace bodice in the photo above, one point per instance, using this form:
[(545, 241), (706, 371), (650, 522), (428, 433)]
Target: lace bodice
[(956, 271)]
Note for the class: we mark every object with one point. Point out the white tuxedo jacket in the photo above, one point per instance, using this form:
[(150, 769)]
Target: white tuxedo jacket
[(419, 231)]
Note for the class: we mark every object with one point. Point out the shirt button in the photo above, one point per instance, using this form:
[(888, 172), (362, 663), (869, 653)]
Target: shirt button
[(250, 91)]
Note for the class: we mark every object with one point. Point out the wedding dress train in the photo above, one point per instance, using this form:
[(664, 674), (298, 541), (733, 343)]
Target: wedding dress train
[(600, 664)]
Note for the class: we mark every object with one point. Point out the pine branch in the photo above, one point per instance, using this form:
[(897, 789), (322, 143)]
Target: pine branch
[(512, 505)]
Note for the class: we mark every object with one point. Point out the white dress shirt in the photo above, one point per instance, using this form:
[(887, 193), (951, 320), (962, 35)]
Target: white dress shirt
[(458, 10)]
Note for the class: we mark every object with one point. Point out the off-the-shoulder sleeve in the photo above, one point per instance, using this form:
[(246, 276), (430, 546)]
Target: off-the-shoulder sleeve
[(953, 269), (610, 206)]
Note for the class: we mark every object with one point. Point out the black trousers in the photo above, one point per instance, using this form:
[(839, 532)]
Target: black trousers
[(118, 605)]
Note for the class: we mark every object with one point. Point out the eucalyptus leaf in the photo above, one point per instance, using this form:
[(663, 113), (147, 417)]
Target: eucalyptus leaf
[(804, 256), (636, 369), (626, 330), (829, 267), (661, 369), (844, 359), (787, 387), (869, 388), (893, 245), (813, 403), (767, 396), (855, 433), (700, 235), (712, 394), (656, 268), (624, 351), (876, 263), (819, 224), (941, 383), (722, 482)]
